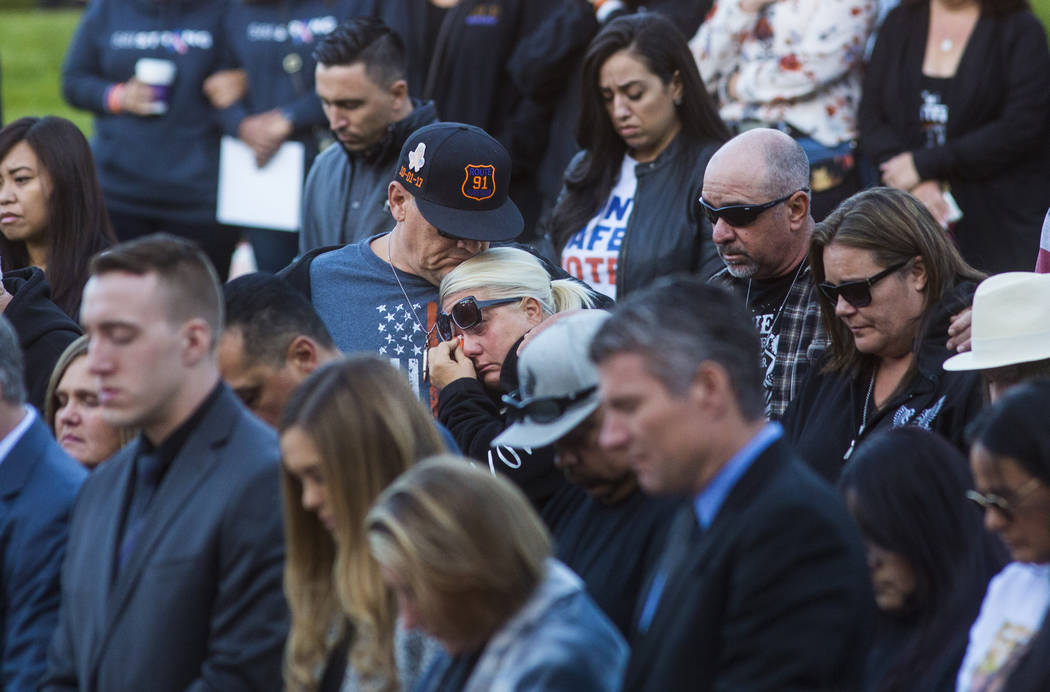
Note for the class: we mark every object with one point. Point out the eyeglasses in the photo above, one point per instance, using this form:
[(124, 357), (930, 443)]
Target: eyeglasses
[(1007, 508), (856, 293), (543, 409), (742, 214), (466, 313)]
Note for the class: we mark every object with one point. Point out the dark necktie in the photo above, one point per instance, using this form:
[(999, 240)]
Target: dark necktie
[(148, 469)]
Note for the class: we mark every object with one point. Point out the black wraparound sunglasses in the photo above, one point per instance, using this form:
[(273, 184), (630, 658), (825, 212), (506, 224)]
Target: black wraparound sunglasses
[(856, 293), (543, 409), (742, 214), (465, 313)]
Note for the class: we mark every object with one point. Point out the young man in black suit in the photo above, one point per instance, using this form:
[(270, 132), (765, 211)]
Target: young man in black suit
[(763, 584), (172, 576)]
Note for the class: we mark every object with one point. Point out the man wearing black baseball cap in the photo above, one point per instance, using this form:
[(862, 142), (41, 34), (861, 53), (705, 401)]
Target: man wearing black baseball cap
[(449, 201)]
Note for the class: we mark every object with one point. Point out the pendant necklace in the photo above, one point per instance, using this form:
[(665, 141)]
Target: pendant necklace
[(863, 419), (947, 45), (776, 315)]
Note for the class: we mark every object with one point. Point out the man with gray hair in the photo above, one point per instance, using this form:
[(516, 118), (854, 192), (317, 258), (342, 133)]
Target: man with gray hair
[(38, 483), (756, 195), (763, 583)]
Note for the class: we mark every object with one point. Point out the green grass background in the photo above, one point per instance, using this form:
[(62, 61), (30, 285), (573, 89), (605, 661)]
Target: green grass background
[(33, 42)]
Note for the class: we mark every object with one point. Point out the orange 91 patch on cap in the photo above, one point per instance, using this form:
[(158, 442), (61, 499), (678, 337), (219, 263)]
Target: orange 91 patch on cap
[(480, 181)]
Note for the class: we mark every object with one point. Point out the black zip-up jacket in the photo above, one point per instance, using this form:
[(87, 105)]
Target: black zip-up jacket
[(826, 417), (666, 232)]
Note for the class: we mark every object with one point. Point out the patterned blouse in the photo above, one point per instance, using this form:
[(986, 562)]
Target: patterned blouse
[(799, 62)]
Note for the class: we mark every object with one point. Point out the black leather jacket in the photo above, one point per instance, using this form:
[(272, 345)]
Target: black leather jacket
[(666, 232)]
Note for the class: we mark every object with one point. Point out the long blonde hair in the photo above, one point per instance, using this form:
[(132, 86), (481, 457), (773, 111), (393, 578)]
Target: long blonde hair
[(368, 427), (504, 272), (466, 543)]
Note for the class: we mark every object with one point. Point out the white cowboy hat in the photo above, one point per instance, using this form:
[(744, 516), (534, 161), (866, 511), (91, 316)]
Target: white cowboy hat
[(1011, 322)]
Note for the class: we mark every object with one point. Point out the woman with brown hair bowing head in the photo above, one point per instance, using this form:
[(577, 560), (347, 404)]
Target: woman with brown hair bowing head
[(628, 213), (956, 109), (889, 278), (347, 432)]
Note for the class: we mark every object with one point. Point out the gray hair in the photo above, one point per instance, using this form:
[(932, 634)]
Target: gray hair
[(678, 323), (787, 166), (12, 365)]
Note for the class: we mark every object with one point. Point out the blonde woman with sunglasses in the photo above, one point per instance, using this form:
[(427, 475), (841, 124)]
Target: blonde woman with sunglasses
[(488, 304)]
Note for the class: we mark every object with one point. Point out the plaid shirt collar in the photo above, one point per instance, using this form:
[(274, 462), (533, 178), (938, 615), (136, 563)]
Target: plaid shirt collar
[(802, 337)]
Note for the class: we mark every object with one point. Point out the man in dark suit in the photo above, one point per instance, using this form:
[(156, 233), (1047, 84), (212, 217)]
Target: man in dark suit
[(763, 585), (38, 483), (172, 579)]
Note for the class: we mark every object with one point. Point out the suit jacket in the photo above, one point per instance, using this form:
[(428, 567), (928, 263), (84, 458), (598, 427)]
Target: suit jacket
[(775, 595), (38, 483), (198, 604)]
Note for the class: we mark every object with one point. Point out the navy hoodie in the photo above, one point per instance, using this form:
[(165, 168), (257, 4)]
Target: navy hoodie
[(162, 166), (274, 43)]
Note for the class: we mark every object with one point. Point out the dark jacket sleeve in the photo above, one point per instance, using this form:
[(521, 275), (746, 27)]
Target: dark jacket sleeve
[(993, 147), (813, 586), (250, 619), (83, 85), (473, 418), (31, 589), (879, 139), (542, 62)]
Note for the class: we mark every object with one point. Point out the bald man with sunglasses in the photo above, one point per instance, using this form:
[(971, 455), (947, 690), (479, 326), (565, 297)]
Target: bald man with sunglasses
[(756, 196)]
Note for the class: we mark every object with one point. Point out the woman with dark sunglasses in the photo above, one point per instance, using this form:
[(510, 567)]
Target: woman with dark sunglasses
[(1010, 641), (488, 305), (628, 212), (929, 555), (889, 279)]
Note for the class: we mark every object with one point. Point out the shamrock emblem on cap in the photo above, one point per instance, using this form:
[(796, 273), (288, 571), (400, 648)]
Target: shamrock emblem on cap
[(415, 158)]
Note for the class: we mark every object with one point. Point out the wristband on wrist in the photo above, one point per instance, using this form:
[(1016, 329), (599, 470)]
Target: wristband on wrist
[(115, 98)]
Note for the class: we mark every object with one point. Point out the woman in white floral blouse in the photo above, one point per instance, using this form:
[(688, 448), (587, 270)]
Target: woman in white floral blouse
[(793, 65)]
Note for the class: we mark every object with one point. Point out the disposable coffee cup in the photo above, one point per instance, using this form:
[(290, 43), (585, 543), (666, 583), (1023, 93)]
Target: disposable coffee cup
[(158, 75)]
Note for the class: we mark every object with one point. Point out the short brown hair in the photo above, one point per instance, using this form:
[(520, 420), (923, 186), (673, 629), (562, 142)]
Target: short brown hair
[(181, 266), (467, 544)]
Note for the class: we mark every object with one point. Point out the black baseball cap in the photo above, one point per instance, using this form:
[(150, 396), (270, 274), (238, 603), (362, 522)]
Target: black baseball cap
[(459, 176)]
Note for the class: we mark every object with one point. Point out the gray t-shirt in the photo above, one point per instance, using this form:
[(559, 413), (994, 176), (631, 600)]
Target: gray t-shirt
[(360, 302)]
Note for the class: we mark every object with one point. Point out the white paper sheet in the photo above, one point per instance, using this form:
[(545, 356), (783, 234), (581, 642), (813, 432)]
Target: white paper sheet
[(266, 197)]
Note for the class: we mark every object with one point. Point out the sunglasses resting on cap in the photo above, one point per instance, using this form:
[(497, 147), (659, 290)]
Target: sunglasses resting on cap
[(543, 409)]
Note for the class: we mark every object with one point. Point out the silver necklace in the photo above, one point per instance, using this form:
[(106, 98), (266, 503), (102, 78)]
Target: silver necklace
[(863, 419), (776, 315), (408, 301), (415, 317)]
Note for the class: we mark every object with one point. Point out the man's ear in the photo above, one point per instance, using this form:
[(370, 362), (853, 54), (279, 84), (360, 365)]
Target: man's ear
[(798, 209), (397, 198), (399, 92), (198, 340), (302, 355), (710, 387)]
